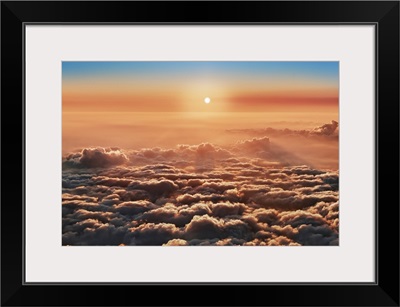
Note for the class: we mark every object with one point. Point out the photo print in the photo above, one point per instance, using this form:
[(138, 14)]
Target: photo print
[(200, 153)]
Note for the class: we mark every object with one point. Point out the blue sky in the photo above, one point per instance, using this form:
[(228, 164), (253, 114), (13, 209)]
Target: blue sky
[(83, 70)]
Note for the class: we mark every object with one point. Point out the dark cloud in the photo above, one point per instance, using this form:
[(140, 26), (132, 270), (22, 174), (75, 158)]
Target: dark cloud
[(93, 232), (300, 217), (214, 187), (228, 195), (179, 216), (316, 235), (134, 207), (269, 216), (155, 187), (224, 209), (75, 179), (107, 181), (154, 234), (206, 227), (198, 195)]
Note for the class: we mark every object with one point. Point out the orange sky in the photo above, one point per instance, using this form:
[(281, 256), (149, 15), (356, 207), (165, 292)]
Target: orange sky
[(182, 86), (161, 104)]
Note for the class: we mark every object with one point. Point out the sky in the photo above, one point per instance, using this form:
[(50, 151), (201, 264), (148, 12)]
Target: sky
[(137, 105), (200, 153), (182, 86)]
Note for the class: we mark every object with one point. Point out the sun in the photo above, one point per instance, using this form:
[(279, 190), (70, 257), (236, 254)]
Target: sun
[(207, 100)]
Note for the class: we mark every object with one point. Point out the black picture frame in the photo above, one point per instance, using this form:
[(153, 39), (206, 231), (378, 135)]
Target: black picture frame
[(383, 14)]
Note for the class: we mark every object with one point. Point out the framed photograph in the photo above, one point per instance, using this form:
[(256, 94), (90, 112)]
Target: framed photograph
[(246, 149)]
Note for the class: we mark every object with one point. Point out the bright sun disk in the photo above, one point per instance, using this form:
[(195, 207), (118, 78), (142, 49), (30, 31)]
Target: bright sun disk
[(207, 100)]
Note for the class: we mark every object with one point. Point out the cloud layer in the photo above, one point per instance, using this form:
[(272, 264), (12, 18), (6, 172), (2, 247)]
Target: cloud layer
[(327, 130), (197, 195)]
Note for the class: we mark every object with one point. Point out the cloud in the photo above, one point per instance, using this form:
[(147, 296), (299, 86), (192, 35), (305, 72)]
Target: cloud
[(153, 234), (227, 208), (176, 242), (75, 179), (93, 232), (206, 227), (155, 188), (300, 217), (316, 235), (203, 154), (254, 145), (327, 129), (112, 182), (134, 207), (269, 216), (204, 150), (96, 157), (197, 195)]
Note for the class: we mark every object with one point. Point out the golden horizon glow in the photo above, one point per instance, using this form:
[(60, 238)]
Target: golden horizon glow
[(174, 86), (164, 104)]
